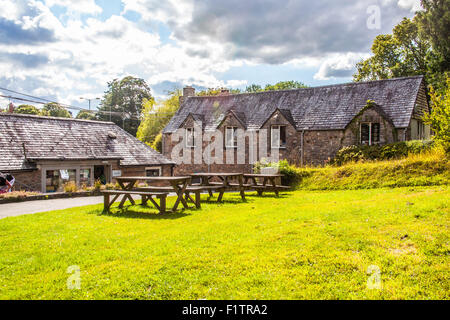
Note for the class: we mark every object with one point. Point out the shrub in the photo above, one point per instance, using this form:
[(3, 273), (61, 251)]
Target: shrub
[(17, 194), (291, 175), (97, 185), (70, 187), (386, 152)]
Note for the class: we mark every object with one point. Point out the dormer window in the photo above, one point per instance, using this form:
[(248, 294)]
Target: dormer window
[(278, 137), (231, 137), (370, 133), (190, 138)]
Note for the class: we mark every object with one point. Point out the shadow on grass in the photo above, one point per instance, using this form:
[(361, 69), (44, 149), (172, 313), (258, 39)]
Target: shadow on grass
[(134, 213), (269, 195)]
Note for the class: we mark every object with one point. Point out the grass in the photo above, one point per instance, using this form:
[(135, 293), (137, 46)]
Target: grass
[(304, 245), (426, 169)]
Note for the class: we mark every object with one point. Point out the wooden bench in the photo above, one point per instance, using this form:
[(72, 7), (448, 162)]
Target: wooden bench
[(146, 195), (197, 189)]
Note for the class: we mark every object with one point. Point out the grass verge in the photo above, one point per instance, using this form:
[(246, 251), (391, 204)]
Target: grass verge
[(303, 245)]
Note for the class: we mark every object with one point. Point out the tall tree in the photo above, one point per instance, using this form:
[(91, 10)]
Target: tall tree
[(285, 85), (27, 109), (434, 23), (86, 115), (53, 109), (125, 98), (156, 115), (401, 54), (439, 118), (417, 46), (253, 88)]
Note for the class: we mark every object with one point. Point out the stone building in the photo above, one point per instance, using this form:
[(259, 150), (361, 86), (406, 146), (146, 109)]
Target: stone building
[(44, 153), (305, 126)]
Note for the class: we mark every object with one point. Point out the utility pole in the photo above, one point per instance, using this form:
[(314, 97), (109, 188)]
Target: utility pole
[(89, 101)]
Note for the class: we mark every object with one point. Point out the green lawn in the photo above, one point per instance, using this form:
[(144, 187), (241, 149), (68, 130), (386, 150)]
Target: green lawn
[(303, 245)]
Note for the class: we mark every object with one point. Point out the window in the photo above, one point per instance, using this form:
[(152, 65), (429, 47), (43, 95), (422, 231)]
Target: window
[(56, 179), (190, 138), (153, 172), (231, 137), (85, 177), (370, 133), (278, 136), (420, 130)]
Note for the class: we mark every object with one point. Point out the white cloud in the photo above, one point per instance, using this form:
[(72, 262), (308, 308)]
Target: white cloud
[(412, 5), (41, 56), (84, 56), (339, 66), (80, 6)]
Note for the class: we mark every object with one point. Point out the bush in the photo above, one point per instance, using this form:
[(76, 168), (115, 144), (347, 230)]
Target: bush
[(17, 194), (292, 176), (386, 152), (97, 185), (430, 168), (70, 187)]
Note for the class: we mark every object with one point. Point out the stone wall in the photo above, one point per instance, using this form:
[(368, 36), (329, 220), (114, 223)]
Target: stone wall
[(319, 146), (352, 135), (27, 180)]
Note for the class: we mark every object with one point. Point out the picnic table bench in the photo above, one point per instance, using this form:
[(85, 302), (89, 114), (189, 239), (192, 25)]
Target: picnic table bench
[(178, 185), (222, 185), (269, 183), (146, 195)]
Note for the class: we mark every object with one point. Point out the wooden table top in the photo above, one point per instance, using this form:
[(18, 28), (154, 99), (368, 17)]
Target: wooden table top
[(258, 175), (211, 174), (171, 178)]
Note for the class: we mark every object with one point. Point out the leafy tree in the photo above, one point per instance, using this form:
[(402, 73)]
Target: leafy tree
[(417, 46), (27, 109), (254, 88), (434, 23), (156, 115), (53, 109), (157, 144), (285, 85), (216, 92), (439, 118), (86, 115), (401, 54), (125, 99), (282, 85)]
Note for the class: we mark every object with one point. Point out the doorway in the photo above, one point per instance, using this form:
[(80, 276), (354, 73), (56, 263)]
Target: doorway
[(100, 174)]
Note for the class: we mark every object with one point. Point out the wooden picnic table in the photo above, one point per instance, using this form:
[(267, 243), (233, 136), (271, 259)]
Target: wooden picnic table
[(268, 182), (178, 184), (225, 182)]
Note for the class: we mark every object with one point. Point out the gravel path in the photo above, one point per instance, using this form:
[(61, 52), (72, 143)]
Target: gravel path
[(29, 207)]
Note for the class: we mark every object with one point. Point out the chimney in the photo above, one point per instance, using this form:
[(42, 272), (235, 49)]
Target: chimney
[(187, 92), (11, 107)]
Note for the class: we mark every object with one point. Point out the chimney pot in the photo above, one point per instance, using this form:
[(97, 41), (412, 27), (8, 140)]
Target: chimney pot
[(11, 107), (188, 91)]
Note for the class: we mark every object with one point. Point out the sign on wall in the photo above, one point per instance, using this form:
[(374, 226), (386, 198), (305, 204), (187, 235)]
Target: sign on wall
[(116, 173)]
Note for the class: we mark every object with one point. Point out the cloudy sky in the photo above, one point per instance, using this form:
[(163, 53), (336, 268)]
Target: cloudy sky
[(63, 50)]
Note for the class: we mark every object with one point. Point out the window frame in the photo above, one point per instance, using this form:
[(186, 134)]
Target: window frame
[(190, 129), (279, 145), (153, 169), (234, 133), (370, 140)]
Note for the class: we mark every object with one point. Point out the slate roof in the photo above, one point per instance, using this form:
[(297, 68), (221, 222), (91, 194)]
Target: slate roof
[(48, 138), (319, 108)]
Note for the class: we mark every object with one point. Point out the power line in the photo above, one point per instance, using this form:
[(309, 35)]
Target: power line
[(70, 107)]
